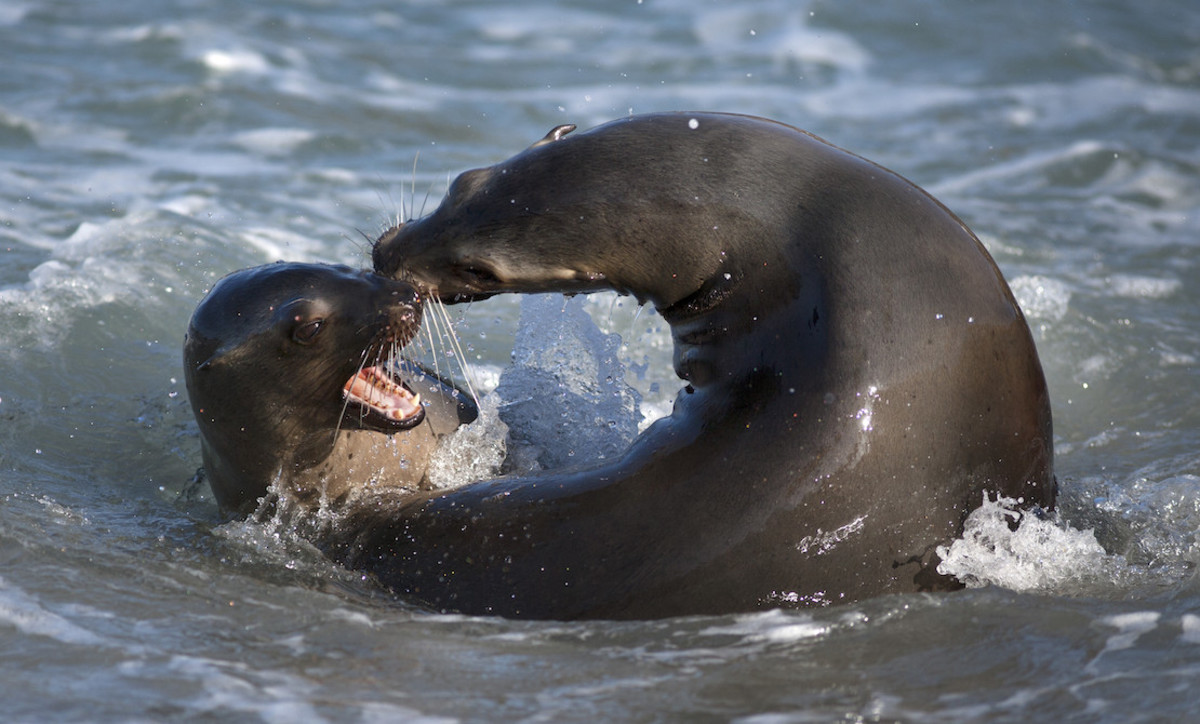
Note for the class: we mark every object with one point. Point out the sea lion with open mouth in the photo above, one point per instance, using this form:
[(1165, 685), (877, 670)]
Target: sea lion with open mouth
[(858, 376), (287, 373)]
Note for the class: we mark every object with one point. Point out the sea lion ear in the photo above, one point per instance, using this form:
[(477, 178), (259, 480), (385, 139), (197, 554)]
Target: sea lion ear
[(214, 360), (209, 363), (555, 134)]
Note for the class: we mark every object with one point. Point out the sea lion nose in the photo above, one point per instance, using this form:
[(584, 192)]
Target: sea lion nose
[(393, 291), (406, 295), (384, 261), (402, 305)]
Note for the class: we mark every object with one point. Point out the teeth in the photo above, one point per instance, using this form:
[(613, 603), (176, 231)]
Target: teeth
[(372, 387), (402, 411)]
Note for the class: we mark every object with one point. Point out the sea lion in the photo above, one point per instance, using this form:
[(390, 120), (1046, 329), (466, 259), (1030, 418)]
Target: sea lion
[(286, 374), (858, 376)]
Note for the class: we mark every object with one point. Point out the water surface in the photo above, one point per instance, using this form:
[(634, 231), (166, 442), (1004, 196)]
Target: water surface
[(146, 149)]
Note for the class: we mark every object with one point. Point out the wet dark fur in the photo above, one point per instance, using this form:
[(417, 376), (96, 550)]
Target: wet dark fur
[(858, 375)]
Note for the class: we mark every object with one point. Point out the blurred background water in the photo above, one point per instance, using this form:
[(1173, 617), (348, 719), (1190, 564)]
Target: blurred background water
[(148, 148)]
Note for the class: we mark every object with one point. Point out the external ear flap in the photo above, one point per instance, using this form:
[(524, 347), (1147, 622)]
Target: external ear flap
[(211, 362), (555, 134), (196, 346)]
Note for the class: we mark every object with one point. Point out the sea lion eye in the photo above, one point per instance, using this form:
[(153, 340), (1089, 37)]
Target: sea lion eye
[(305, 333), (479, 275)]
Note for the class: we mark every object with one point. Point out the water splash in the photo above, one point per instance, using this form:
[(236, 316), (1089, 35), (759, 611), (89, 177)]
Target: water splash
[(565, 393), (472, 452), (1005, 546)]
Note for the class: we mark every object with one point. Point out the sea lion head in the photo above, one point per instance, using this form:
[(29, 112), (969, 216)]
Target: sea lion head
[(627, 206), (278, 358)]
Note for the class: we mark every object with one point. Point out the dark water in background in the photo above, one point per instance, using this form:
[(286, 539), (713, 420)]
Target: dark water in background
[(148, 148)]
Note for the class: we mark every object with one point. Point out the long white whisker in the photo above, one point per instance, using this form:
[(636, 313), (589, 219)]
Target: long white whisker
[(431, 333), (346, 398), (412, 200), (434, 332), (384, 202), (467, 372)]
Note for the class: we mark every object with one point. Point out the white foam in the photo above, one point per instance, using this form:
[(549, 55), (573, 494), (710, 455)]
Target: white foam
[(825, 47), (282, 539), (187, 205), (24, 613), (472, 452), (1143, 287), (774, 626), (81, 275), (790, 38), (1190, 623), (273, 141), (375, 712), (62, 514), (1040, 297), (506, 26), (1032, 165), (235, 61), (1040, 555), (1173, 358), (276, 243), (234, 686), (1130, 627)]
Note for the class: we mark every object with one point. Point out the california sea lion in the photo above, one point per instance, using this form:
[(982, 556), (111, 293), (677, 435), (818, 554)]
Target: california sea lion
[(285, 374), (858, 376)]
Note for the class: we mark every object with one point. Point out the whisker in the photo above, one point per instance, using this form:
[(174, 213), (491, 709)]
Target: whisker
[(433, 332), (429, 192), (632, 331), (412, 200), (638, 314), (346, 398), (456, 348), (362, 249), (393, 212), (384, 203), (439, 333)]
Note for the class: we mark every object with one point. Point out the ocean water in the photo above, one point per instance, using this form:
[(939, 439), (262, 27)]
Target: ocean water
[(148, 148)]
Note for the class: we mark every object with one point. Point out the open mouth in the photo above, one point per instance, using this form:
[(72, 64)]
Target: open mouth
[(376, 397)]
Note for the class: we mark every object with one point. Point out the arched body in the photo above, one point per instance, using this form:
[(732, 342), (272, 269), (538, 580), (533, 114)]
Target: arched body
[(858, 375)]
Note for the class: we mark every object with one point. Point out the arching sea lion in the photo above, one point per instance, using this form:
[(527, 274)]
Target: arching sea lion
[(285, 374), (858, 375)]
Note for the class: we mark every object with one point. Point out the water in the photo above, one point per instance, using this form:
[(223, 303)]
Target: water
[(148, 148)]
